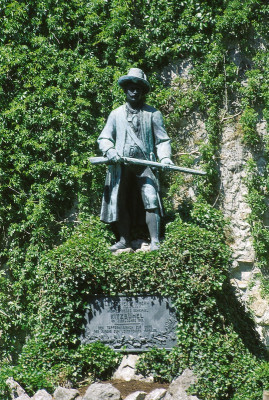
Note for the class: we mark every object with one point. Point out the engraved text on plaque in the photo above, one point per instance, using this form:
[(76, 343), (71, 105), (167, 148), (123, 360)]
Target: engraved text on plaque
[(131, 323)]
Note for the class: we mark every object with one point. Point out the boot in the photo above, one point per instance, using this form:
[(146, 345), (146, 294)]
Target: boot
[(153, 222), (124, 233)]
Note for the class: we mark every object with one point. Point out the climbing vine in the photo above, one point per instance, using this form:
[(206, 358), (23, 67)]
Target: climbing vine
[(59, 64), (256, 109)]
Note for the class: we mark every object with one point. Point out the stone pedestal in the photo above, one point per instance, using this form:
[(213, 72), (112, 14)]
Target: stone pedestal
[(265, 395)]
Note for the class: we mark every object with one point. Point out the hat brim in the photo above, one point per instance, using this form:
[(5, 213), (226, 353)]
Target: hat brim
[(124, 80)]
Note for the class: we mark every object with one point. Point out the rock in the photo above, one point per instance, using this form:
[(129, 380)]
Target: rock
[(182, 396), (265, 395), (140, 246), (177, 389), (157, 394), (127, 250), (42, 395), (16, 391), (126, 370), (184, 381), (62, 393), (259, 306), (136, 396), (102, 391)]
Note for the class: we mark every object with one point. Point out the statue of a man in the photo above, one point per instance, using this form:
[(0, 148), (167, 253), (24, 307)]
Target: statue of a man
[(133, 130)]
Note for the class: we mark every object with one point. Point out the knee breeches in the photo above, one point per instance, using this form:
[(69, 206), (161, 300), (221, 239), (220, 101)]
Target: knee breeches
[(142, 180)]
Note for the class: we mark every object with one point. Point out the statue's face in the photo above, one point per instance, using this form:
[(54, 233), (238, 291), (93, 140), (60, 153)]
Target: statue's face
[(134, 94)]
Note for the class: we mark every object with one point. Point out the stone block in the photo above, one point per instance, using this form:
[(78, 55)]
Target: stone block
[(157, 394), (42, 395), (23, 397), (259, 306), (102, 391), (177, 389), (184, 381), (16, 391), (62, 393), (136, 396), (265, 395), (126, 370)]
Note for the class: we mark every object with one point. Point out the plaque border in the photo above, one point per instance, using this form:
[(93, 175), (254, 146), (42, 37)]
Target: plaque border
[(125, 349)]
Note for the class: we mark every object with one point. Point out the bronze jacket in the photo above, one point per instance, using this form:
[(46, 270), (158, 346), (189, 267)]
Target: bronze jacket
[(154, 138)]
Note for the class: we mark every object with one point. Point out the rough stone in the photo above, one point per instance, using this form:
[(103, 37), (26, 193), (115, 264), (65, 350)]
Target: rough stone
[(140, 245), (42, 395), (239, 284), (136, 396), (126, 370), (265, 395), (23, 397), (265, 319), (233, 160), (157, 394), (177, 389), (265, 334), (16, 390), (127, 250), (259, 306), (184, 381), (180, 395), (102, 391), (62, 393)]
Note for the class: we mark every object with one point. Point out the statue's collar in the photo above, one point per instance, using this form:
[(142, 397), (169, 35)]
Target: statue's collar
[(131, 110)]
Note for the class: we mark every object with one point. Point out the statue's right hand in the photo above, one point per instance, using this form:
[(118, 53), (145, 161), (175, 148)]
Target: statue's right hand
[(112, 155)]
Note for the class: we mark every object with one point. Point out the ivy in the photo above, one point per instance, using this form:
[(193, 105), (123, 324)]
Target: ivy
[(59, 64), (256, 102), (191, 267)]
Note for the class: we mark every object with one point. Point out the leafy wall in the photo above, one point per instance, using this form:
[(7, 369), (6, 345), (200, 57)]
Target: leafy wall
[(59, 64)]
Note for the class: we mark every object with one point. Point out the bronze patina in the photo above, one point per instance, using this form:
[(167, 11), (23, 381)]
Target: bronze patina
[(133, 131)]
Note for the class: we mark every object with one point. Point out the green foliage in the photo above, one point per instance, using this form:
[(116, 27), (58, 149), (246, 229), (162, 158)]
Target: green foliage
[(256, 94), (191, 267), (163, 365), (97, 358), (249, 121), (223, 373), (209, 217), (59, 64), (41, 367)]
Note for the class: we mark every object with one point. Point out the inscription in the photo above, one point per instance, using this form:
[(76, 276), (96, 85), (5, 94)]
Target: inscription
[(132, 323)]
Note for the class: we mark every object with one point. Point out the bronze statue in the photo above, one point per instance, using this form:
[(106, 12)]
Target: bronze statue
[(133, 130)]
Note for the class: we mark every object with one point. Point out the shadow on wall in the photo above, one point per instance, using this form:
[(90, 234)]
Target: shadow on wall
[(240, 318)]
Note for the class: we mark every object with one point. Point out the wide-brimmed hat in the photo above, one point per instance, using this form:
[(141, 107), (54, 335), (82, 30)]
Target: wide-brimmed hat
[(135, 75)]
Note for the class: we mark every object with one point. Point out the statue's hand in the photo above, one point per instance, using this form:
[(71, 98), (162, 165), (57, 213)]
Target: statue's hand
[(112, 155), (167, 161)]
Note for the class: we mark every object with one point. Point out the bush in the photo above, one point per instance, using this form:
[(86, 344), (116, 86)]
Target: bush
[(191, 267), (60, 62)]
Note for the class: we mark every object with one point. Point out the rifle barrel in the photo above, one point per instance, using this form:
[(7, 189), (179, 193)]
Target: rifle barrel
[(147, 163)]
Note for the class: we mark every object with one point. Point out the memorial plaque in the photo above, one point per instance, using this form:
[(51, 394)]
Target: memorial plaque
[(131, 323)]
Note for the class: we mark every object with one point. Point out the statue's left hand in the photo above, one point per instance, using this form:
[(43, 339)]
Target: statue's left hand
[(167, 161)]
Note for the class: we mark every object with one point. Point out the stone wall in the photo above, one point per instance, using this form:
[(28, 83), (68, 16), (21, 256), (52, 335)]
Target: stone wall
[(245, 275)]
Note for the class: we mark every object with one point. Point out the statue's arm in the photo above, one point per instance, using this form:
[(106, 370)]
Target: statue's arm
[(162, 140), (107, 138)]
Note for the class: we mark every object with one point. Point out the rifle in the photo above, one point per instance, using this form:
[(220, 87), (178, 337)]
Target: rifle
[(146, 163)]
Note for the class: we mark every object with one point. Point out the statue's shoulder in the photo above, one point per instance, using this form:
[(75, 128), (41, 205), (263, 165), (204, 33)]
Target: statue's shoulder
[(119, 110), (149, 109)]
